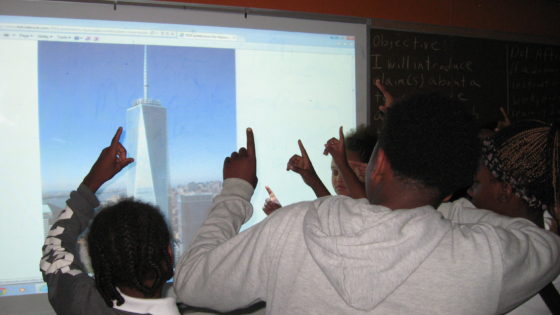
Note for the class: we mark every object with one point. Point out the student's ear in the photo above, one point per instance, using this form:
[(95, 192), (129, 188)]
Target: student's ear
[(170, 252), (381, 167)]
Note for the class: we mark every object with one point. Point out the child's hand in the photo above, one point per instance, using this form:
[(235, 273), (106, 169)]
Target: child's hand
[(243, 164), (111, 161), (389, 100), (301, 164), (271, 203), (504, 122), (336, 149)]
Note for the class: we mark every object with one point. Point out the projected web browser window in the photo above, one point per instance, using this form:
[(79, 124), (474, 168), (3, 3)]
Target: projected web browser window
[(184, 95)]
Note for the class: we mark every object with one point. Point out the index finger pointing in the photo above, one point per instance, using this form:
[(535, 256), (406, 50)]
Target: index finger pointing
[(380, 86), (505, 114), (270, 193), (340, 135), (250, 142), (302, 149), (116, 137)]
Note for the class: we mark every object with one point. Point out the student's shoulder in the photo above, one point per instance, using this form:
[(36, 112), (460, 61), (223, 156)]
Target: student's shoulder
[(292, 215), (344, 204), (322, 204), (289, 212), (461, 208)]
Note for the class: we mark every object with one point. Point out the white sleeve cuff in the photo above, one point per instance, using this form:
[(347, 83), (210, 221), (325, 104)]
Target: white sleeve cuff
[(237, 187)]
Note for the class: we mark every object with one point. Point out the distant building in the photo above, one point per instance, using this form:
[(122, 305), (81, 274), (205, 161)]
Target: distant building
[(47, 215), (146, 141), (193, 210)]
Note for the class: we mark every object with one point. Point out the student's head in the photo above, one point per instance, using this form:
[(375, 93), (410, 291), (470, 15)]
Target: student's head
[(428, 146), (359, 144), (129, 246), (519, 167)]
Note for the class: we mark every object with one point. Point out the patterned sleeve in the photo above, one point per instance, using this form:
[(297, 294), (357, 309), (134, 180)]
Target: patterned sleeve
[(71, 290)]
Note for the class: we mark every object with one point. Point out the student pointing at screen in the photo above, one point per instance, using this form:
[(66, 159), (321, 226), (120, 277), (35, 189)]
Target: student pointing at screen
[(350, 155), (391, 253), (129, 247)]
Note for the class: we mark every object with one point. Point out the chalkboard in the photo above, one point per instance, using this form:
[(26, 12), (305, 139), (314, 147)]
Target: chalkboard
[(485, 74), (534, 81)]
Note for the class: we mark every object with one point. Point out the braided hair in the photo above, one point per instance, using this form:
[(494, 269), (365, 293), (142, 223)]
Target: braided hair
[(525, 155), (129, 247)]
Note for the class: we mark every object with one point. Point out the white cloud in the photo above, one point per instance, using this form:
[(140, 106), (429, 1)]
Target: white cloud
[(58, 140)]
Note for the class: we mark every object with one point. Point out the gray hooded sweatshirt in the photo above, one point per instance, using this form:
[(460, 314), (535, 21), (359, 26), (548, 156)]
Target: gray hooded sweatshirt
[(338, 255)]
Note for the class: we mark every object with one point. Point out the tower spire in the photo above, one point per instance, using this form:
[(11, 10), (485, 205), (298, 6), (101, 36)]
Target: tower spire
[(145, 72)]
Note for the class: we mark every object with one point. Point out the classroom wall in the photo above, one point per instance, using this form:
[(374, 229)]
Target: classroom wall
[(539, 18)]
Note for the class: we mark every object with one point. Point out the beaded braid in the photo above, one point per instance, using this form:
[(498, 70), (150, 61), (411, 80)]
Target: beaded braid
[(128, 245), (103, 279), (525, 155), (152, 266)]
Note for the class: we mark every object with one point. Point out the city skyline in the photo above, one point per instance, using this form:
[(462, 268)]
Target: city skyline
[(187, 210), (85, 90)]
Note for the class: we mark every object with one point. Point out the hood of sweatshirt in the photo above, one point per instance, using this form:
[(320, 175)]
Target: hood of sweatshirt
[(368, 251)]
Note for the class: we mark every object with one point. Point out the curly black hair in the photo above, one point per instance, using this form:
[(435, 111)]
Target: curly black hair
[(361, 140), (129, 246), (431, 140)]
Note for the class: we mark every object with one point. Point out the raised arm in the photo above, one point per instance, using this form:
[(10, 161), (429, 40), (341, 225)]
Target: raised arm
[(302, 165), (222, 269), (110, 162), (389, 99), (336, 148), (243, 164), (504, 122), (71, 290)]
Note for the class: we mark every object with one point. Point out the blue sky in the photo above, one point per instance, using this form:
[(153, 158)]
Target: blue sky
[(85, 89)]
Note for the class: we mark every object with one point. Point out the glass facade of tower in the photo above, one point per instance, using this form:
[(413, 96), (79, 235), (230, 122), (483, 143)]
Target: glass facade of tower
[(146, 141)]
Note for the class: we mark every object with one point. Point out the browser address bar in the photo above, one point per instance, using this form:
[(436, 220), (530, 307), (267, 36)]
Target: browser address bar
[(77, 29), (116, 31)]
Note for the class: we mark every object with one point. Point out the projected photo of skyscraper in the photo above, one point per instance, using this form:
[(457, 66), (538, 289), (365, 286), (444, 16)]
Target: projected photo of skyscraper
[(146, 124), (178, 129)]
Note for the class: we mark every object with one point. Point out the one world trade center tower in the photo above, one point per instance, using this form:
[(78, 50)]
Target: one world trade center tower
[(146, 122)]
